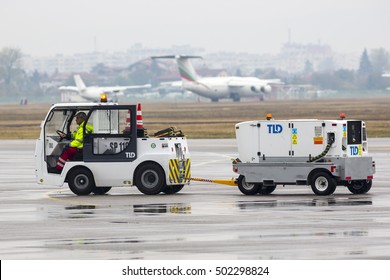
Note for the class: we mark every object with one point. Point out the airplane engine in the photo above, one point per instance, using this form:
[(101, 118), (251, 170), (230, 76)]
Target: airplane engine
[(255, 89), (266, 89), (263, 89)]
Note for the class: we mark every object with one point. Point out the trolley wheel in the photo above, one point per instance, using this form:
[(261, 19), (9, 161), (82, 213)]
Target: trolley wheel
[(323, 184), (247, 188), (360, 187), (101, 190), (266, 190), (172, 189), (81, 181), (150, 178)]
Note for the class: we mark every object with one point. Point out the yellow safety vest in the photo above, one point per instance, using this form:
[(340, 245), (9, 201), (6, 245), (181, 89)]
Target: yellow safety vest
[(78, 136)]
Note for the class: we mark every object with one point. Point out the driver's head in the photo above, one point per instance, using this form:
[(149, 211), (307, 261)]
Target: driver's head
[(80, 117)]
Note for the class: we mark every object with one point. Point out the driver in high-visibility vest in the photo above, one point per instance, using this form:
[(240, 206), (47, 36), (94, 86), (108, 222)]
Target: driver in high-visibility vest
[(77, 142)]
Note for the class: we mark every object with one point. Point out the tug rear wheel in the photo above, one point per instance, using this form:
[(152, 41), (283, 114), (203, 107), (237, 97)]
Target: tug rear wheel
[(150, 178), (266, 190), (360, 187), (323, 184), (247, 188)]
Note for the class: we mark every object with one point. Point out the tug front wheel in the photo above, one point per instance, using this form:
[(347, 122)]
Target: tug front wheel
[(81, 181), (247, 188)]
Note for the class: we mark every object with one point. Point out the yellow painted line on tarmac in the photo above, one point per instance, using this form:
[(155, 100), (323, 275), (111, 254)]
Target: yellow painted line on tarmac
[(49, 197)]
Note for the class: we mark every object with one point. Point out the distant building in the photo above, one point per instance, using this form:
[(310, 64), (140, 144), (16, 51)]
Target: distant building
[(291, 59), (84, 62), (293, 56)]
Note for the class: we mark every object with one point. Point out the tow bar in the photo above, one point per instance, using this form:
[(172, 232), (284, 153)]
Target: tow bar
[(231, 182)]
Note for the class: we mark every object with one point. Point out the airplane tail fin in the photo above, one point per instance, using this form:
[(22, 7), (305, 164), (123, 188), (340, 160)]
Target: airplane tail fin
[(187, 71), (79, 82)]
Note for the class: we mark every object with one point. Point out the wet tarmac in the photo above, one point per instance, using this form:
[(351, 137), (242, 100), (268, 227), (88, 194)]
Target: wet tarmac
[(203, 221)]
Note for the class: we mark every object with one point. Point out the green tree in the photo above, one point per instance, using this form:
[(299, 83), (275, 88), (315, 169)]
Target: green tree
[(10, 70), (365, 64), (324, 80), (139, 77), (101, 69), (380, 63), (345, 78), (326, 65), (309, 69), (380, 60), (364, 76)]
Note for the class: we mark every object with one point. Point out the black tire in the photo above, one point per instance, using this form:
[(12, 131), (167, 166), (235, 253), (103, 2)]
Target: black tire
[(266, 190), (235, 97), (360, 187), (247, 188), (172, 189), (323, 184), (81, 181), (101, 190), (150, 178)]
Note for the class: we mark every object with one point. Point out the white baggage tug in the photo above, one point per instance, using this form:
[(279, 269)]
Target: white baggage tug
[(319, 153), (116, 153)]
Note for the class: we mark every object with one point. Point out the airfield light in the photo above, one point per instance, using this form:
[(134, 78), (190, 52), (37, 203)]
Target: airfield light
[(103, 97)]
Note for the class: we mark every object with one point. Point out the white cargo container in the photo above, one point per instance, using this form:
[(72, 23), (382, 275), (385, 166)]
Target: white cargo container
[(320, 153)]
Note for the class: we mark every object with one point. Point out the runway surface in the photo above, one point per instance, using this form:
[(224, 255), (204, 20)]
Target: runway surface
[(203, 221)]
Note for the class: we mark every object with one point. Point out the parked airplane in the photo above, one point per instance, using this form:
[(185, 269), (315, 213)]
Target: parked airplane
[(80, 92), (217, 88)]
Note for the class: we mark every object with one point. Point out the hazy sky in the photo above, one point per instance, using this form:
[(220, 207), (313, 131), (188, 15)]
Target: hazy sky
[(48, 27)]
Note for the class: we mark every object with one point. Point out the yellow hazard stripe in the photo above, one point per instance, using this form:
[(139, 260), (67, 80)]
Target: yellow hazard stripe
[(187, 174), (174, 174), (178, 176)]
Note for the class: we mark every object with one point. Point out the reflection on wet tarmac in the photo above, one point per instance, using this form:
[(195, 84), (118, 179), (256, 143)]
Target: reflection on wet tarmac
[(80, 214), (95, 241), (80, 207), (336, 234), (250, 205), (162, 208)]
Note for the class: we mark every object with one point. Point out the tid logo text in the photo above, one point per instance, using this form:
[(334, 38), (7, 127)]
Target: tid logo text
[(274, 128), (355, 150)]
